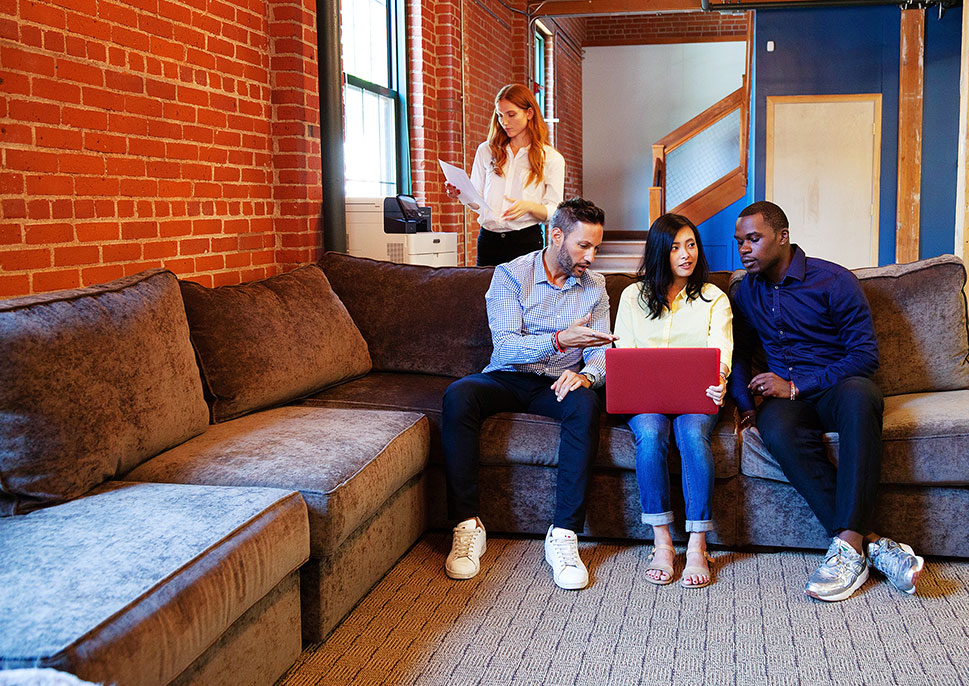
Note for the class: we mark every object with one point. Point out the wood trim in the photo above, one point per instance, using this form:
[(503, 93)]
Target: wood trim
[(911, 77), (712, 114), (961, 238), (719, 194), (656, 203), (593, 7)]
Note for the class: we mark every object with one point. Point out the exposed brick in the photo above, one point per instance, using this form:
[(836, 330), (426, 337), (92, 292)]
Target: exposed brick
[(20, 260), (76, 255)]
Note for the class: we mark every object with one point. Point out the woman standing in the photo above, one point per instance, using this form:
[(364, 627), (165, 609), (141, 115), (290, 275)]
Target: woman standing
[(674, 305), (520, 176)]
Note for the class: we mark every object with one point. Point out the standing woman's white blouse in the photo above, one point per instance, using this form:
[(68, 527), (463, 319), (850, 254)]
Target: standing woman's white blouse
[(693, 323), (494, 189)]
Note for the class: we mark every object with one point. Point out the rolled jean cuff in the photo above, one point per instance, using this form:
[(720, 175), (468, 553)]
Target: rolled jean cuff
[(696, 525), (660, 519)]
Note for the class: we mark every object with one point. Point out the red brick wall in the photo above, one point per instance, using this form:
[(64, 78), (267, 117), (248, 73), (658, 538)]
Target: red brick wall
[(683, 27), (154, 133)]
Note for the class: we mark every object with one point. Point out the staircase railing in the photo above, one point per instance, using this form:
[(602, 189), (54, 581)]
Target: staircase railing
[(701, 167)]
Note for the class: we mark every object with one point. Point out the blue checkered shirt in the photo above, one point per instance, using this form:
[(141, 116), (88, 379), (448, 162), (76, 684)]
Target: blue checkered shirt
[(525, 310)]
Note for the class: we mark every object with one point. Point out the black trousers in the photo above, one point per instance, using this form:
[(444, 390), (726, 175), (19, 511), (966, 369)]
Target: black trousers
[(469, 401), (495, 248), (841, 497)]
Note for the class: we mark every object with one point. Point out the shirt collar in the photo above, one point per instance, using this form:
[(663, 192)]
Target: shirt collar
[(540, 276), (795, 270), (798, 265)]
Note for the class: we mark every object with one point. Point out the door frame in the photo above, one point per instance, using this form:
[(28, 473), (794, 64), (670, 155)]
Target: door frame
[(876, 100)]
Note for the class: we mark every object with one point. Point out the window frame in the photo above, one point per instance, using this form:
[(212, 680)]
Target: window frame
[(397, 92)]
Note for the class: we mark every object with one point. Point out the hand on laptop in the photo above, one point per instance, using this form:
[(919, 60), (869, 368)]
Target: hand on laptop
[(579, 335), (569, 381), (717, 393)]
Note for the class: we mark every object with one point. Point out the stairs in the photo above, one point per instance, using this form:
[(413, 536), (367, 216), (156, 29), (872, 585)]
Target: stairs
[(619, 255)]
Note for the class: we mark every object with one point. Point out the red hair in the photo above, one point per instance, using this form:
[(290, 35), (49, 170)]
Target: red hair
[(520, 96)]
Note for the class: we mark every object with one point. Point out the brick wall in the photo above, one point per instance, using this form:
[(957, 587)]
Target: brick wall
[(153, 133), (681, 27)]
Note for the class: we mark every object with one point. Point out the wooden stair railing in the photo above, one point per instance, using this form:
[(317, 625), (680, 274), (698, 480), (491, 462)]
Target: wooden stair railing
[(727, 189)]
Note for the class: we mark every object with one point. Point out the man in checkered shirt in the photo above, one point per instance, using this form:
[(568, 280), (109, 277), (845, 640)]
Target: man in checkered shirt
[(549, 319)]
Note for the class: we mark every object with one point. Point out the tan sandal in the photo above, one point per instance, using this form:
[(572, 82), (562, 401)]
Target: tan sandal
[(659, 567), (697, 570)]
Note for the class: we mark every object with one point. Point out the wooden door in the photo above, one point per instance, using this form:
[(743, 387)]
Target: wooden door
[(823, 156)]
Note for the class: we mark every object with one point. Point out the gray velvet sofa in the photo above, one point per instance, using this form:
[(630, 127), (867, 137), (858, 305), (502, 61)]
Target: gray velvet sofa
[(194, 480), (426, 326)]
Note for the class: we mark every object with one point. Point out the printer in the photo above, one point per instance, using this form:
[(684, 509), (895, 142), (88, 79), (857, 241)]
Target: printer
[(397, 229)]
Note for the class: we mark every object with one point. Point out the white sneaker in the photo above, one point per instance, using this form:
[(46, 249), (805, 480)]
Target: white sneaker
[(562, 552), (467, 546)]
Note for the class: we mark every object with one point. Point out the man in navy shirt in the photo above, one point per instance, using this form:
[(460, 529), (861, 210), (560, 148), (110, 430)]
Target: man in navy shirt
[(815, 326)]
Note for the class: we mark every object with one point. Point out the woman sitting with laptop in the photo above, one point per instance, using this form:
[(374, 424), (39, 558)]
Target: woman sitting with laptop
[(672, 305)]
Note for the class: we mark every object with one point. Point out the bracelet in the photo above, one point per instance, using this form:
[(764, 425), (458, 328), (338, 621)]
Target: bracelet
[(555, 342), (793, 389)]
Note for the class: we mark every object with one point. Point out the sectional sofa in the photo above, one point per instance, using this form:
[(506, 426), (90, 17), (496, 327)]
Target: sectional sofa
[(194, 481)]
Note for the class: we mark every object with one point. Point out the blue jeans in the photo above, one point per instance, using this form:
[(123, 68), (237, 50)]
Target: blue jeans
[(692, 432)]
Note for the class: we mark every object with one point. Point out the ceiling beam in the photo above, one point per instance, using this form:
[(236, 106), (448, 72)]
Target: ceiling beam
[(578, 8)]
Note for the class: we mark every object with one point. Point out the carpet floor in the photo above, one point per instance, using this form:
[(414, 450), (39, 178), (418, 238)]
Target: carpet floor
[(754, 625)]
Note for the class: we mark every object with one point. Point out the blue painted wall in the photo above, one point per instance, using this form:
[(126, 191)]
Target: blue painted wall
[(940, 129), (856, 50)]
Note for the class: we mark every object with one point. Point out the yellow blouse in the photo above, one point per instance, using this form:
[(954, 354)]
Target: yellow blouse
[(693, 323)]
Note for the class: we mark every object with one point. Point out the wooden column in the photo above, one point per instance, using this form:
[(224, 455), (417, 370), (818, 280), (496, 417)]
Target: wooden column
[(961, 240), (910, 81)]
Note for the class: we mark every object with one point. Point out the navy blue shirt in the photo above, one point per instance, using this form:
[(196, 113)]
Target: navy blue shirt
[(815, 327)]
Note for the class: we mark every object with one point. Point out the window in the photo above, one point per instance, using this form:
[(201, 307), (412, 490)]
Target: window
[(376, 146), (539, 70)]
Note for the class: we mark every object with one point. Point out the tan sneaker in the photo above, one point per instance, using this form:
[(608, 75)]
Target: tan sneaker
[(467, 546)]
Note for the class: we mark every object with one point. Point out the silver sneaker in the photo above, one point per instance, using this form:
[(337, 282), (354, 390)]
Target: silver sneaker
[(843, 571), (897, 561)]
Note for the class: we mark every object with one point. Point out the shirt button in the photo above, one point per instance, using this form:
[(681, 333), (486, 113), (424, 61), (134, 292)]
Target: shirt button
[(782, 333), (790, 369)]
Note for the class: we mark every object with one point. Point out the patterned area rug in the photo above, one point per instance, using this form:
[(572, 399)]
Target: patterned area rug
[(512, 625)]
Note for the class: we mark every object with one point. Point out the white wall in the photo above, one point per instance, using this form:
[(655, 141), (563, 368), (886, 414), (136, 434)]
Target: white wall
[(633, 96)]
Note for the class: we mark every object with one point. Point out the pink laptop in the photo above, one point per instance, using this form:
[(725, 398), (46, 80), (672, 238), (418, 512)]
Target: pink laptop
[(661, 380)]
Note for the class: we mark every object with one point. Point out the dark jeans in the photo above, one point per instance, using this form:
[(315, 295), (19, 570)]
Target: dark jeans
[(495, 248), (469, 401), (841, 497)]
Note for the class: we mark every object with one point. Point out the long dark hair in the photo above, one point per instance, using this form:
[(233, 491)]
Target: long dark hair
[(655, 274)]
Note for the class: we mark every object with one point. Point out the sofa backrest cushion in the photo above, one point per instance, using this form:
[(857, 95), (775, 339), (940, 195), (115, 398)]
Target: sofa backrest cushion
[(430, 320), (919, 310), (93, 382), (267, 342)]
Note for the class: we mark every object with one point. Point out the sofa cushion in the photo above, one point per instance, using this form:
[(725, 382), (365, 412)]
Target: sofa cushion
[(92, 382), (267, 342), (925, 441), (416, 319), (346, 463), (919, 311), (509, 438), (106, 587)]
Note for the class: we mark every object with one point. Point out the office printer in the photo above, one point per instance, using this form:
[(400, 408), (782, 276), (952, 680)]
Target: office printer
[(402, 214), (397, 229)]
